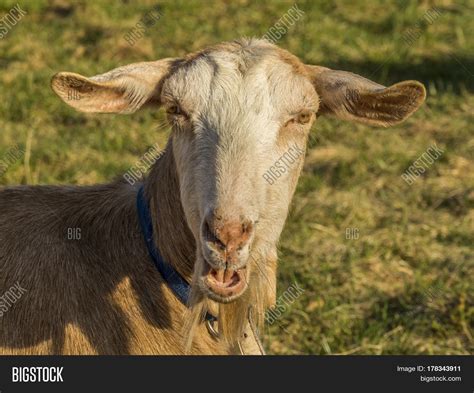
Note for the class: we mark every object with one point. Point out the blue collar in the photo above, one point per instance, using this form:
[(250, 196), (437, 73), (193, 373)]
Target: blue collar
[(175, 281)]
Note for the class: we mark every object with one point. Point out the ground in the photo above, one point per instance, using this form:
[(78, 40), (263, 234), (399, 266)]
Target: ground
[(384, 267)]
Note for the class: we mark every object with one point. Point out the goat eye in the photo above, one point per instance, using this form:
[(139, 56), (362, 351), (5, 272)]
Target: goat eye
[(303, 117), (173, 110)]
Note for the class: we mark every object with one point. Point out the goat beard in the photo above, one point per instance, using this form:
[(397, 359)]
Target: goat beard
[(232, 317)]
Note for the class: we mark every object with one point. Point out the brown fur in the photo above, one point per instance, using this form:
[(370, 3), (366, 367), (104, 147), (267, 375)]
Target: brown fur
[(100, 294)]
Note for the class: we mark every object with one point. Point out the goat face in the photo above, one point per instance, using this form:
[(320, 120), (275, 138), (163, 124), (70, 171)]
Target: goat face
[(241, 115), (237, 115)]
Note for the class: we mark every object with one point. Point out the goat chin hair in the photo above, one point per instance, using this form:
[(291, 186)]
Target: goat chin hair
[(232, 317)]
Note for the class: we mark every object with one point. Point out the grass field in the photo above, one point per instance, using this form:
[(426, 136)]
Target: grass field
[(385, 267)]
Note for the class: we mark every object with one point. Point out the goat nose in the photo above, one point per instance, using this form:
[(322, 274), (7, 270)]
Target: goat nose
[(228, 234)]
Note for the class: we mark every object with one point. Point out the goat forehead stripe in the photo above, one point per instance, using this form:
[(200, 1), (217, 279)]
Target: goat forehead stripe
[(246, 74), (242, 55)]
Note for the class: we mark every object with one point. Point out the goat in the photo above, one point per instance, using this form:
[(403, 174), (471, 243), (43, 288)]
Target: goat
[(235, 109)]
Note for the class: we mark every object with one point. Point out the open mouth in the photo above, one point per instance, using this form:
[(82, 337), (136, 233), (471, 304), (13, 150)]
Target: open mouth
[(225, 285)]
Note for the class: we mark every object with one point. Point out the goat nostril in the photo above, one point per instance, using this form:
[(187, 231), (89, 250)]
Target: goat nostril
[(221, 245), (227, 235), (211, 235)]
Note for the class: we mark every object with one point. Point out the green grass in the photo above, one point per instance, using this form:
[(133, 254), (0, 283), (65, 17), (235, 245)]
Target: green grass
[(405, 286)]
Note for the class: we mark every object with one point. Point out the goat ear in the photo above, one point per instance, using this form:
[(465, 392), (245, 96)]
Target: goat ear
[(351, 97), (121, 90)]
